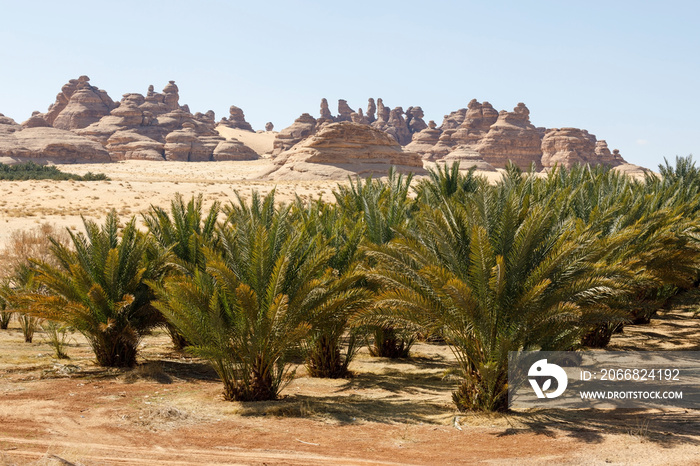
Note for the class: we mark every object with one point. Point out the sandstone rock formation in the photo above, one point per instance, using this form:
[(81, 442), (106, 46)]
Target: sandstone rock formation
[(424, 141), (344, 111), (635, 171), (326, 114), (339, 149), (477, 129), (236, 119), (567, 147), (512, 138), (467, 158), (303, 127), (155, 126), (233, 149), (183, 145), (269, 126), (371, 110), (130, 144), (8, 125), (77, 105), (397, 127), (382, 111), (454, 119), (604, 156), (37, 120), (477, 121), (138, 126), (414, 119), (46, 144)]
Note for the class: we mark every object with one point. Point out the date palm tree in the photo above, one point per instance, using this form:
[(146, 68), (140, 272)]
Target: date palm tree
[(382, 207), (183, 229), (495, 274), (99, 289), (331, 343), (249, 311), (182, 232)]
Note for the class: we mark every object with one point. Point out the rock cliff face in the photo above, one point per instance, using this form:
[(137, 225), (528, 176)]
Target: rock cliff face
[(512, 138), (43, 144), (342, 148), (569, 146)]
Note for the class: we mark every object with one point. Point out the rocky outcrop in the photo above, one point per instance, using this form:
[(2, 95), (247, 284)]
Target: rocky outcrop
[(567, 147), (140, 127), (302, 128), (49, 144), (382, 115), (339, 149), (467, 158), (603, 155), (414, 119), (397, 127), (37, 120), (326, 114), (78, 105), (371, 110), (424, 141), (155, 126), (236, 119), (634, 171), (344, 111), (130, 144), (512, 138), (183, 145), (477, 121), (233, 150), (8, 125), (454, 119), (43, 144), (129, 115), (269, 126)]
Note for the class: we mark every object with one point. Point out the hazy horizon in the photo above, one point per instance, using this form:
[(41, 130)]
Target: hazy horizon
[(622, 70)]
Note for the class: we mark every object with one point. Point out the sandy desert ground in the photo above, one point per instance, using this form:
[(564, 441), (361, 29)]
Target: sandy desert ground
[(134, 186), (169, 410)]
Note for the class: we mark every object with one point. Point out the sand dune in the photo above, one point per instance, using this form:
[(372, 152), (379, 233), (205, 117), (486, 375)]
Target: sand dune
[(260, 142)]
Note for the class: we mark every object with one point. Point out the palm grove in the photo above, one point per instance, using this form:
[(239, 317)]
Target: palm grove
[(554, 262)]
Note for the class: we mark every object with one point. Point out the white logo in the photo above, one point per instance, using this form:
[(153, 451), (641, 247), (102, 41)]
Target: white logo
[(542, 369)]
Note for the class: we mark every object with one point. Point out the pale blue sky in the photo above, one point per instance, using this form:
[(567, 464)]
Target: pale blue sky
[(625, 70)]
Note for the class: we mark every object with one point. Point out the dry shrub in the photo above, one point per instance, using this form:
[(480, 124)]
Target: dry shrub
[(33, 243)]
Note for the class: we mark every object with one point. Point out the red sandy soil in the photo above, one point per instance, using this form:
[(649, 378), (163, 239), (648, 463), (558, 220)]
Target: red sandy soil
[(169, 410)]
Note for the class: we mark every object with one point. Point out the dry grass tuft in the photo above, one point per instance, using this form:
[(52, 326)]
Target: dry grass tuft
[(152, 371)]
